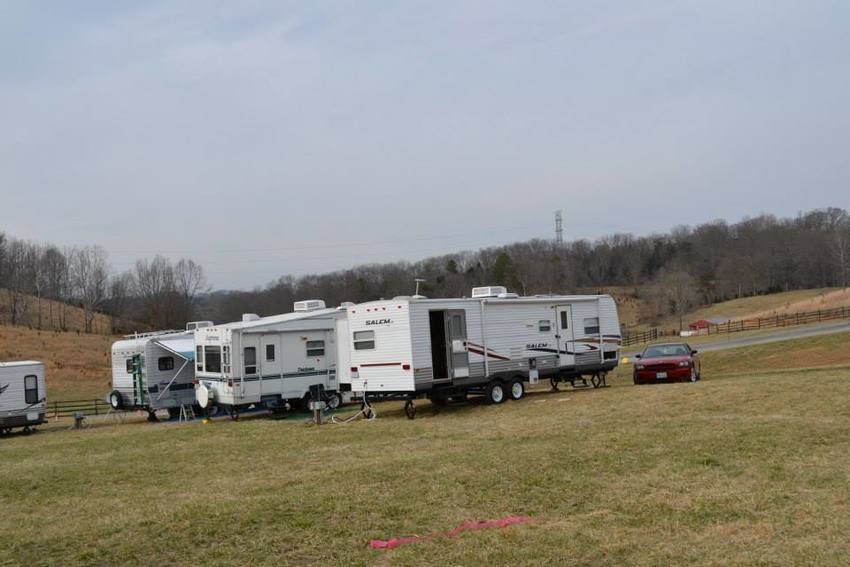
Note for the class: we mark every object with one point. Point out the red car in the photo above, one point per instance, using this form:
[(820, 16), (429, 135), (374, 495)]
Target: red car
[(667, 363)]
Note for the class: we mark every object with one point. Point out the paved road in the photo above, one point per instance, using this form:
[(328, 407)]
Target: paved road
[(731, 341)]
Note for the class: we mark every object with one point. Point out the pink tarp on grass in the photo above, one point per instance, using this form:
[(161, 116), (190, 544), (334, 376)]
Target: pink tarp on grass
[(468, 526)]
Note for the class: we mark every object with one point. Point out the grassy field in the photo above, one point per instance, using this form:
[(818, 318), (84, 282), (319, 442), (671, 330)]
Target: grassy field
[(749, 468)]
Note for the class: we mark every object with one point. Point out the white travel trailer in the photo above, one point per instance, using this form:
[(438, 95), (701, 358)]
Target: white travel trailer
[(23, 395), (268, 361), (154, 371), (491, 344)]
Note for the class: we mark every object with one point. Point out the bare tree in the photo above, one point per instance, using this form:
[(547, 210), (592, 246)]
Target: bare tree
[(190, 281), (89, 272)]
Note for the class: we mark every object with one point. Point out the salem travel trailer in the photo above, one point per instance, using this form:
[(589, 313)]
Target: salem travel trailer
[(154, 371), (23, 395), (268, 361), (491, 343)]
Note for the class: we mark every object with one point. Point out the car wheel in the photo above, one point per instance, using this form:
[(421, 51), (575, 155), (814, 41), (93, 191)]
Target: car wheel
[(495, 393), (635, 380)]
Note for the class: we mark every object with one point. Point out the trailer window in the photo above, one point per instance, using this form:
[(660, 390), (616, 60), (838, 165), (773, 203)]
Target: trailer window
[(129, 366), (591, 326), (249, 359), (270, 353), (364, 340), (212, 359), (565, 320), (545, 326), (199, 359), (30, 389), (165, 363), (315, 348), (225, 359)]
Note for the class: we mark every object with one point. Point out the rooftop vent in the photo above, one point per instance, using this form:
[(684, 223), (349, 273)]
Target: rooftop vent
[(489, 291), (345, 305), (192, 325), (246, 317), (308, 305)]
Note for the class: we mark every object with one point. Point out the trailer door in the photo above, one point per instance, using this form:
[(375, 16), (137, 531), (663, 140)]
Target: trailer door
[(458, 353), (565, 336)]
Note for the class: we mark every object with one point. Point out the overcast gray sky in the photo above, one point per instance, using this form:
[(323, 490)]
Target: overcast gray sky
[(264, 138)]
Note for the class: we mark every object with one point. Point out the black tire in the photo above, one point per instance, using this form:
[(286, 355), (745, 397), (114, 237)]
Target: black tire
[(116, 400), (173, 413), (333, 400), (517, 389), (410, 409), (495, 392)]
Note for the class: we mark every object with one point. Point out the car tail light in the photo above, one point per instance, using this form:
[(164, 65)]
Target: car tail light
[(196, 381)]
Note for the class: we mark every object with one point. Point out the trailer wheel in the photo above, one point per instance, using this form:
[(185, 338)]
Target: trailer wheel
[(410, 409), (115, 400), (152, 416), (517, 389), (495, 392), (334, 400)]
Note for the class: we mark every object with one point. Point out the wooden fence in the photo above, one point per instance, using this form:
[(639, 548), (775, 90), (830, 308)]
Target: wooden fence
[(68, 408), (775, 321)]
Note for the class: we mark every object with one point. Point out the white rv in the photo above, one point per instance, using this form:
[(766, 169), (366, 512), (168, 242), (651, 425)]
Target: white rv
[(154, 371), (269, 361), (491, 343), (23, 395)]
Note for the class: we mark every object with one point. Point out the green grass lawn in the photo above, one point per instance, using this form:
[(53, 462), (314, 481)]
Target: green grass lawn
[(748, 469)]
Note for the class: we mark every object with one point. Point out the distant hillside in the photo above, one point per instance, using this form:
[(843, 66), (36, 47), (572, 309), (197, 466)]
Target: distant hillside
[(54, 315), (77, 365), (774, 304)]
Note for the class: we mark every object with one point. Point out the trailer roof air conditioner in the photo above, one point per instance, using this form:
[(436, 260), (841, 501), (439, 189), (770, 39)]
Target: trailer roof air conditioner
[(192, 325), (489, 291), (308, 305), (246, 317)]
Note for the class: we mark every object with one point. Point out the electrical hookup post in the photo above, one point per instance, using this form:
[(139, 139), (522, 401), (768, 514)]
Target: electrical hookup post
[(316, 403)]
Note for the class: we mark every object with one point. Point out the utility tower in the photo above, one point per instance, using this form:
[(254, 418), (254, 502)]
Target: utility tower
[(559, 228)]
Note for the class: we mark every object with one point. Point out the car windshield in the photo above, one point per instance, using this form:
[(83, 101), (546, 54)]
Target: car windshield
[(666, 350)]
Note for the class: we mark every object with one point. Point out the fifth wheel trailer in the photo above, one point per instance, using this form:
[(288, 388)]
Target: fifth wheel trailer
[(154, 371), (22, 395), (268, 361), (491, 344)]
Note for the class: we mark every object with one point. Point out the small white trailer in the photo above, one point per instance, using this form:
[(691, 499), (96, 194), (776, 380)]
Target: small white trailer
[(154, 371), (23, 395), (491, 344), (268, 361)]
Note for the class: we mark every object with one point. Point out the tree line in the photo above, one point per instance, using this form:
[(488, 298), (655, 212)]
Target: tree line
[(40, 282), (670, 273)]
